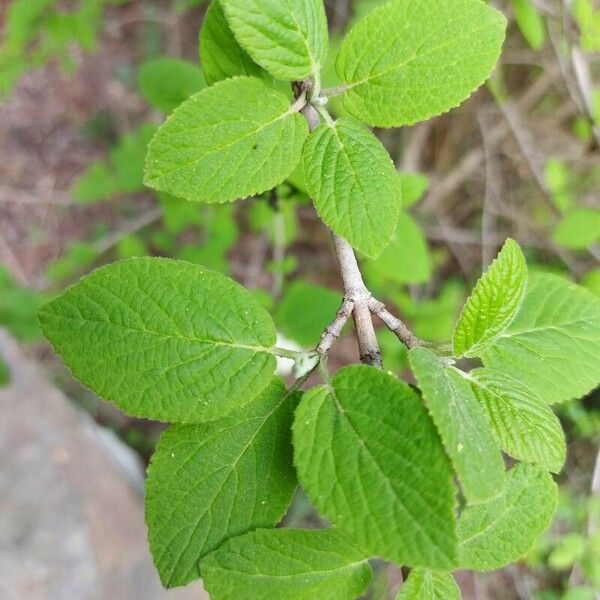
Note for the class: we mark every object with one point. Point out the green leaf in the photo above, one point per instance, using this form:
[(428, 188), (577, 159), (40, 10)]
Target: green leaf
[(294, 564), (493, 303), (220, 54), (499, 532), (18, 307), (429, 585), (553, 345), (163, 339), (368, 456), (97, 183), (354, 184), (406, 259), (414, 186), (523, 423), (286, 37), (167, 82), (579, 229), (410, 60), (4, 373), (128, 158), (433, 319), (462, 424), (235, 139), (305, 311), (213, 481), (132, 246), (591, 281), (530, 23)]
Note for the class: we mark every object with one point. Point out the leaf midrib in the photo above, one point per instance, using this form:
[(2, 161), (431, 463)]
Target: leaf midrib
[(257, 349)]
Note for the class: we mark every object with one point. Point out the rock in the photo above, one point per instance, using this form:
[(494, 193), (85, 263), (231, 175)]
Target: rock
[(71, 515)]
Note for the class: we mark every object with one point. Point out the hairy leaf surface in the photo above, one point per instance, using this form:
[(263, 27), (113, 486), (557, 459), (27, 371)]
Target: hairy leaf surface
[(286, 563), (553, 345), (422, 584), (213, 481), (463, 425), (163, 339), (235, 139), (354, 184), (410, 60), (494, 302), (499, 532), (167, 82), (220, 54), (288, 38), (369, 457), (524, 424)]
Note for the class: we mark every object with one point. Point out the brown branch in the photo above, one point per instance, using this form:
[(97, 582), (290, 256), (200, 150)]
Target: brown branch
[(404, 334)]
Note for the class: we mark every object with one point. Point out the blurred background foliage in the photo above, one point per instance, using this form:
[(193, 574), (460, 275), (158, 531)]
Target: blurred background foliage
[(84, 84)]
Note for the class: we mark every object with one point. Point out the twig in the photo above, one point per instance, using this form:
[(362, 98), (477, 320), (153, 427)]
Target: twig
[(333, 331), (358, 300), (405, 335), (356, 291)]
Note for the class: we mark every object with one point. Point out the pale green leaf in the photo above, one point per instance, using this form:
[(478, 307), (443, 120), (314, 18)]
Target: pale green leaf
[(591, 281), (305, 311), (163, 339), (523, 423), (493, 303), (220, 54), (4, 373), (286, 564), (499, 532), (214, 481), (97, 183), (530, 23), (553, 345), (406, 259), (410, 60), (429, 585), (354, 184), (235, 139), (462, 424), (414, 186), (128, 158), (578, 229), (286, 37), (167, 82), (368, 456)]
